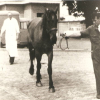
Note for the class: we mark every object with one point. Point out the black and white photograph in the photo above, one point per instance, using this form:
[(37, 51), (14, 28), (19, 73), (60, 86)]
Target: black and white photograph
[(49, 49)]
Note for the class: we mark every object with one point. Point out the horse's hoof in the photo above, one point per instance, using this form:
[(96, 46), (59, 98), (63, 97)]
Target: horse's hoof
[(52, 90), (39, 84), (31, 71)]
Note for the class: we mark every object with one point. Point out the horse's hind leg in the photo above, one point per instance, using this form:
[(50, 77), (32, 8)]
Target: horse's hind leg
[(50, 57), (38, 75), (32, 56)]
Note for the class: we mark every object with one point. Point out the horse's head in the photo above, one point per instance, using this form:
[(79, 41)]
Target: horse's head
[(51, 24)]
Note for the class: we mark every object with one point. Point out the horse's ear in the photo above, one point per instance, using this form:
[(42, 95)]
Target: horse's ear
[(56, 10)]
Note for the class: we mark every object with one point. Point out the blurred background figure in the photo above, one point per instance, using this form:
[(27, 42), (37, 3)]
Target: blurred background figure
[(11, 29)]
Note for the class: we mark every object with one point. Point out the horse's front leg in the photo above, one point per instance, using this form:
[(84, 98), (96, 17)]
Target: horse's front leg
[(38, 75), (50, 58)]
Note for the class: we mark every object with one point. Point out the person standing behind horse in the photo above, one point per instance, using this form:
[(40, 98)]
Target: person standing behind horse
[(11, 29)]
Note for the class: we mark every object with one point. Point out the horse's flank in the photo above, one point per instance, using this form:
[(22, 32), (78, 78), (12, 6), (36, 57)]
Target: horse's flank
[(35, 28)]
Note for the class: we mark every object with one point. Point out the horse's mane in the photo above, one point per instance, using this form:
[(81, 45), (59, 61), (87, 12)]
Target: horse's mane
[(43, 20)]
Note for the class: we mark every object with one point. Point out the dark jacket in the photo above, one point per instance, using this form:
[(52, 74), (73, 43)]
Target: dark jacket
[(94, 36)]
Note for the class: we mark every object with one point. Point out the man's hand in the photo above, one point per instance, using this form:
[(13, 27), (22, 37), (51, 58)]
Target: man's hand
[(72, 34)]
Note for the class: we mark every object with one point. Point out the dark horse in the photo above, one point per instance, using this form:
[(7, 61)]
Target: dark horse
[(42, 37)]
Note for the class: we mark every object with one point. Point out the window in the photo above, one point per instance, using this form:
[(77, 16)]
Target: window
[(23, 25), (39, 14)]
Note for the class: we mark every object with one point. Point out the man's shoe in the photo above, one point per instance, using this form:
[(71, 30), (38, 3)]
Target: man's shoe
[(98, 96), (11, 60)]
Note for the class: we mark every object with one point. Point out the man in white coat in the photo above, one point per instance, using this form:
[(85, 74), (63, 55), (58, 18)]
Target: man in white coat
[(11, 29)]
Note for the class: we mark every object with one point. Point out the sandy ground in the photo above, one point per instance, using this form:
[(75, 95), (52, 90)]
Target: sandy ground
[(73, 77), (75, 43)]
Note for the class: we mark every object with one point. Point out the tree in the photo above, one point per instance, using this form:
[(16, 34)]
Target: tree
[(87, 7)]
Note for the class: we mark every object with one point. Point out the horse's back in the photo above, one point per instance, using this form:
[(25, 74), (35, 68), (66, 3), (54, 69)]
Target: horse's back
[(35, 30), (34, 23)]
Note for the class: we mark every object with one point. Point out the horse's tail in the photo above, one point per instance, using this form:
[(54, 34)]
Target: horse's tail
[(28, 36), (28, 24)]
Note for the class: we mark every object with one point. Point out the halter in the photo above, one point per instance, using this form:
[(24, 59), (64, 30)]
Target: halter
[(52, 29)]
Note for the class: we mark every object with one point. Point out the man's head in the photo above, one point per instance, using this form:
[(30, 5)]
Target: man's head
[(10, 15), (97, 24)]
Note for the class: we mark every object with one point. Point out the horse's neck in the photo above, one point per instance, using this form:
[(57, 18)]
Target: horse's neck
[(45, 36)]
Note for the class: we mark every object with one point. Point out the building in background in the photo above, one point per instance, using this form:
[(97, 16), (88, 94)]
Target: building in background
[(70, 22), (30, 9)]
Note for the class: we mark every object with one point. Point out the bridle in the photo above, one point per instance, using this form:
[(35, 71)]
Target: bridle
[(52, 29)]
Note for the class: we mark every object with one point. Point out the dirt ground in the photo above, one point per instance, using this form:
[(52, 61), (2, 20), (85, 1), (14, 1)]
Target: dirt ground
[(73, 77)]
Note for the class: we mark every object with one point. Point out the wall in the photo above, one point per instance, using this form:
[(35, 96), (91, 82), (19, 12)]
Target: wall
[(19, 8), (40, 8), (3, 7), (27, 11), (71, 26), (31, 10)]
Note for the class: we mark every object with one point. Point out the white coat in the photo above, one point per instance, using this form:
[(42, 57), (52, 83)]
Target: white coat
[(11, 28)]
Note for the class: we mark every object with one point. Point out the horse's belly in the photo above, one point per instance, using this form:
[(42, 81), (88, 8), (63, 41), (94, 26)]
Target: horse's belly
[(47, 49), (44, 48)]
